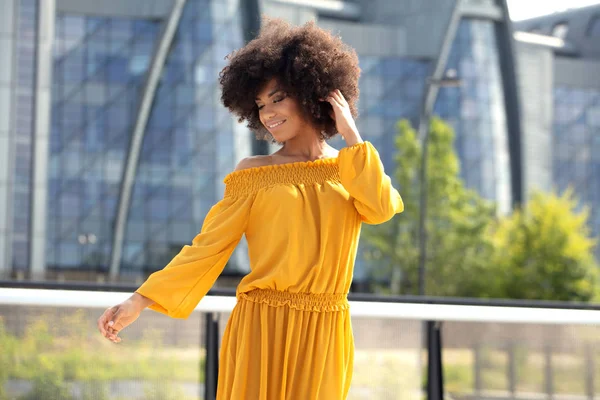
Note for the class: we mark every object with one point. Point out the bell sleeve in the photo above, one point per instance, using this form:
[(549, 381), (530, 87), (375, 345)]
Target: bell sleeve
[(178, 288), (363, 176)]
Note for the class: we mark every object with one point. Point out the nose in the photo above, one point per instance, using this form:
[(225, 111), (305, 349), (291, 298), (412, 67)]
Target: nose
[(267, 113)]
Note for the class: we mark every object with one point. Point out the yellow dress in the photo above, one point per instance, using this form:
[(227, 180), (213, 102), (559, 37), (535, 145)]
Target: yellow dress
[(289, 336)]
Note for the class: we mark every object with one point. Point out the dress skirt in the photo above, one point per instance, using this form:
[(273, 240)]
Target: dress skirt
[(285, 346)]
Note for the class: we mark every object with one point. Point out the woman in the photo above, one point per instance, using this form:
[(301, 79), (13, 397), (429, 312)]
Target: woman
[(289, 335)]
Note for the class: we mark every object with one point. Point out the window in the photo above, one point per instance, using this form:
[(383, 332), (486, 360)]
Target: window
[(594, 27), (560, 30)]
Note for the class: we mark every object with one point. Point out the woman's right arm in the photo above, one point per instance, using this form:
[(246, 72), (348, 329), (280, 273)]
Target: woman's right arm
[(176, 289)]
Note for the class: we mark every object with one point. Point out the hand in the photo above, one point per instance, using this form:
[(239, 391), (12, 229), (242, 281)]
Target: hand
[(118, 317), (344, 122)]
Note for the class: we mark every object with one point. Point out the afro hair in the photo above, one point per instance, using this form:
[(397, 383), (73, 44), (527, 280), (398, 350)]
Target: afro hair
[(307, 61)]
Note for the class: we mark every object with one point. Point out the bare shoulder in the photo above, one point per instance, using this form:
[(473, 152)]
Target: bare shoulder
[(253, 162)]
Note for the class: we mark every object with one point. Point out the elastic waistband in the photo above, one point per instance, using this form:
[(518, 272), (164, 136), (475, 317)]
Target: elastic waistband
[(300, 301)]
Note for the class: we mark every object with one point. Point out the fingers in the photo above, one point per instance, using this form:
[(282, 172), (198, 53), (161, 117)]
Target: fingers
[(106, 323), (113, 335), (336, 98), (339, 97), (115, 324), (103, 320), (116, 317)]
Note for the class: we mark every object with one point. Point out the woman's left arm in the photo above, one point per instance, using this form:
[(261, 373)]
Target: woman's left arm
[(363, 176), (361, 170)]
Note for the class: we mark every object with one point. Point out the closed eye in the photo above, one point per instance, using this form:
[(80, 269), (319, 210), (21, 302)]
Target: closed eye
[(274, 101)]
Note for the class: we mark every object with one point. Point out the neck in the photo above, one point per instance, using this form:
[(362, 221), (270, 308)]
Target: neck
[(309, 145)]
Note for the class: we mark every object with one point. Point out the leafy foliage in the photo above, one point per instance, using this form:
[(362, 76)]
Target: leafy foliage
[(546, 252), (456, 221), (541, 252)]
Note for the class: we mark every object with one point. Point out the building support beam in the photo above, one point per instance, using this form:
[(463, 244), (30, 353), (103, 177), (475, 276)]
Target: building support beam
[(41, 139), (8, 39), (143, 113), (508, 65)]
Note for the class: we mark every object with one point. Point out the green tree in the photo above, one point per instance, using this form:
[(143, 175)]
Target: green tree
[(457, 218), (545, 251), (542, 252)]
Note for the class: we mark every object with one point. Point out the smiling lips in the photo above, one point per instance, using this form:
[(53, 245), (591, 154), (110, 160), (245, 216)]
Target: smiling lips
[(275, 124)]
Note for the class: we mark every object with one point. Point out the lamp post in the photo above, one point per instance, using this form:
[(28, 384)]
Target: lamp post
[(449, 80)]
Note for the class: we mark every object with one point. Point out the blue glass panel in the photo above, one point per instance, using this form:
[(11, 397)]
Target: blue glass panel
[(139, 64), (20, 254), (118, 69), (121, 29), (74, 27), (69, 254), (575, 147), (93, 23), (203, 32), (143, 28)]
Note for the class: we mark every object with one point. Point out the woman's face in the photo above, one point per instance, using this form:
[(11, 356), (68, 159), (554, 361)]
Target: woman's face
[(280, 114)]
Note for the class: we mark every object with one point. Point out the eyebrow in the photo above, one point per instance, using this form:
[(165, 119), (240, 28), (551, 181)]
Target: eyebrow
[(272, 93)]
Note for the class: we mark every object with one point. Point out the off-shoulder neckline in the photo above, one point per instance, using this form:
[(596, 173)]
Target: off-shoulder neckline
[(291, 165)]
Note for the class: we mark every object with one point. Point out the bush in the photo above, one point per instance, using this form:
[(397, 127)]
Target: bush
[(48, 383), (8, 345), (58, 348), (95, 390), (163, 390)]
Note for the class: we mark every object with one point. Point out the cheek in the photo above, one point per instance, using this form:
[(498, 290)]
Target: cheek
[(290, 110)]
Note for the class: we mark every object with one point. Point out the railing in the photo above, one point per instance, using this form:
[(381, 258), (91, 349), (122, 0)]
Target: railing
[(493, 349)]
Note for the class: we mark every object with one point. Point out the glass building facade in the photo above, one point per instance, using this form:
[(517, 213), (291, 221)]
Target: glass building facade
[(392, 88), (190, 140), (98, 70), (576, 148), (476, 110), (188, 146)]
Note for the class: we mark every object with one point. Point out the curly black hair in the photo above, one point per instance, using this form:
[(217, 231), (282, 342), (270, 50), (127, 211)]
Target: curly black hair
[(307, 61)]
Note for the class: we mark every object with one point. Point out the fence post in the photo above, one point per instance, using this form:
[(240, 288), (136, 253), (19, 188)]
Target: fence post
[(435, 373), (512, 369), (477, 365), (589, 371), (548, 372), (211, 364)]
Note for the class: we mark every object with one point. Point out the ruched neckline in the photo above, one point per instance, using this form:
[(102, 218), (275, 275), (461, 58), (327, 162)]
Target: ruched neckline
[(250, 180), (271, 167)]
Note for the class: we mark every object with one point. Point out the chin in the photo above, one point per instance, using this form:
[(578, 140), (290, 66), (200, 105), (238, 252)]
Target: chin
[(281, 137)]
